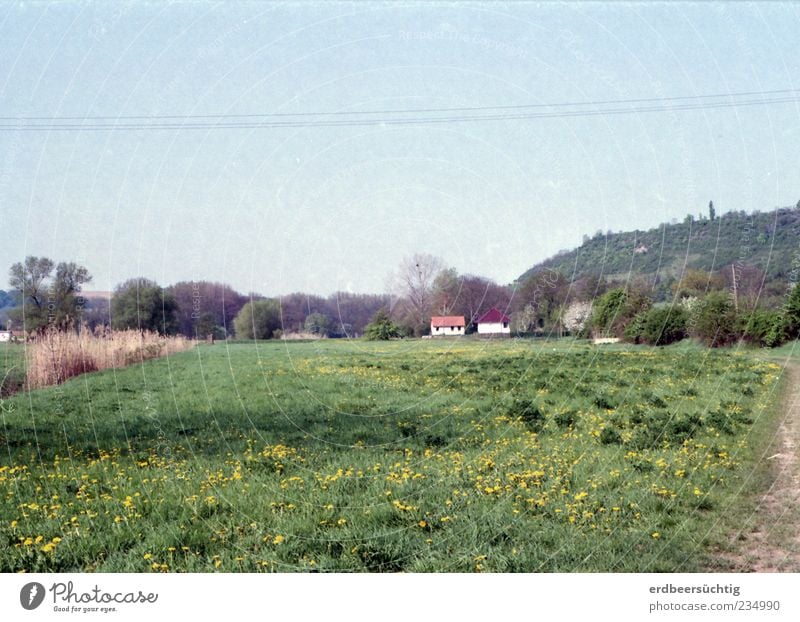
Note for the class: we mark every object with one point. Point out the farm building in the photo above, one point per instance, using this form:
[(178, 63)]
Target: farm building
[(447, 326), (493, 322)]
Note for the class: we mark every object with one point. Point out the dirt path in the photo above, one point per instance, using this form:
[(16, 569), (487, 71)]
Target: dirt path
[(772, 544)]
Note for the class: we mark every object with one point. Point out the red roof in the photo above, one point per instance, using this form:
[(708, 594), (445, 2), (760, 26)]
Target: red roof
[(447, 320), (493, 316)]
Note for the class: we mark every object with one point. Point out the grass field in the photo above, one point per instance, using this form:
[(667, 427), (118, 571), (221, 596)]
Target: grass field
[(12, 368), (400, 456), (787, 352)]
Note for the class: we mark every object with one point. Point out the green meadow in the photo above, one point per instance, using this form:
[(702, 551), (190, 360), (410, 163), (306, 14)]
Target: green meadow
[(413, 455), (12, 368)]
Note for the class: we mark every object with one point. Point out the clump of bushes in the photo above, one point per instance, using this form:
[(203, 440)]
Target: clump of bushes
[(615, 310), (659, 326), (715, 322), (381, 328), (763, 327)]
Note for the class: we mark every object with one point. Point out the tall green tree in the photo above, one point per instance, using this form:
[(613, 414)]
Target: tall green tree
[(66, 287), (142, 304), (258, 319), (47, 299)]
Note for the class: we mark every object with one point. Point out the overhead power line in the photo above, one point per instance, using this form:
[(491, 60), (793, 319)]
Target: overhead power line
[(409, 116)]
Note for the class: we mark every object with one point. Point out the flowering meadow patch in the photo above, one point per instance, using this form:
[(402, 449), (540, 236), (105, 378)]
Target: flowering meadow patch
[(402, 456)]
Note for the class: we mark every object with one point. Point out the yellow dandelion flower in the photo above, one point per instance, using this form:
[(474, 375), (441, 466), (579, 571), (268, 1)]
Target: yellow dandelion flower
[(278, 539)]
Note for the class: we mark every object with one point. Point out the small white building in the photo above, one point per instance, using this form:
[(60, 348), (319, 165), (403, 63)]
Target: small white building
[(493, 322), (599, 341), (5, 335), (447, 326)]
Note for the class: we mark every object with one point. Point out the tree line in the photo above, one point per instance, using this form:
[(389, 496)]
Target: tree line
[(702, 307), (44, 294), (715, 307)]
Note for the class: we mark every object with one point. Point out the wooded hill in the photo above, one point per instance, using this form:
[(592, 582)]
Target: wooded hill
[(761, 242)]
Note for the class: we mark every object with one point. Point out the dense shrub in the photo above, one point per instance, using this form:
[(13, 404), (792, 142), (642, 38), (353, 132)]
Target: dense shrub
[(615, 310), (381, 327), (714, 320), (791, 323), (658, 327), (763, 327), (635, 329)]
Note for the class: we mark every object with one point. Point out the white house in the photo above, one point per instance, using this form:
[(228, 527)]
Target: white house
[(493, 322), (447, 326), (5, 335)]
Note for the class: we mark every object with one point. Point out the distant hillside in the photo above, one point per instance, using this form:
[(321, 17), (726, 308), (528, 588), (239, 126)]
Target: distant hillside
[(769, 241)]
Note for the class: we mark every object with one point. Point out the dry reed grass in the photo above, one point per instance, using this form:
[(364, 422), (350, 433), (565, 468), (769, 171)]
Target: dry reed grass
[(57, 355)]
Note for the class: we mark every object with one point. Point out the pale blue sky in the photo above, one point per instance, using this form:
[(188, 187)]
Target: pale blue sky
[(319, 209)]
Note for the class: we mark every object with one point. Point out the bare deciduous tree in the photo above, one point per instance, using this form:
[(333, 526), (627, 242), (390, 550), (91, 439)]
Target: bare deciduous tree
[(414, 284)]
